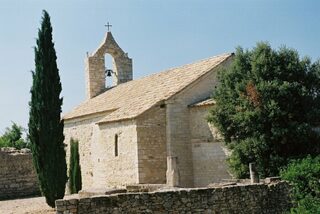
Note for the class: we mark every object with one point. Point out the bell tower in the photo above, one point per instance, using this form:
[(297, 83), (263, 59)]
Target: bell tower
[(96, 69)]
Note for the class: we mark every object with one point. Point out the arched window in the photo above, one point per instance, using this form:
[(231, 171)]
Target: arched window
[(108, 63), (116, 145)]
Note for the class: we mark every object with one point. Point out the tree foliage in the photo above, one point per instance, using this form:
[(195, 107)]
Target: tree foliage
[(267, 108), (74, 167), (45, 124), (13, 137), (304, 175)]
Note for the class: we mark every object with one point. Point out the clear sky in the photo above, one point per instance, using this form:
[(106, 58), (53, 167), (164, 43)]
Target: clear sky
[(157, 34)]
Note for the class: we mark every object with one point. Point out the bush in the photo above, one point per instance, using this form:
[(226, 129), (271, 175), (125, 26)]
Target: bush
[(304, 176), (74, 167), (13, 137)]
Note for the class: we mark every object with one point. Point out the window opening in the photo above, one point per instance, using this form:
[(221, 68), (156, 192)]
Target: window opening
[(109, 70), (116, 145)]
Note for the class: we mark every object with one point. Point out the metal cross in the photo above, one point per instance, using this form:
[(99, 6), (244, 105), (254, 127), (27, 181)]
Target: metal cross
[(108, 26)]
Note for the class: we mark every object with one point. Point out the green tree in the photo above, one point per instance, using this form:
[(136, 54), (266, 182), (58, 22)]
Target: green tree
[(267, 108), (303, 175), (13, 137), (74, 167), (45, 124)]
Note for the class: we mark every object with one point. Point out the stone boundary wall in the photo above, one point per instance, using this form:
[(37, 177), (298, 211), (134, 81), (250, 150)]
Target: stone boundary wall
[(17, 175), (256, 198)]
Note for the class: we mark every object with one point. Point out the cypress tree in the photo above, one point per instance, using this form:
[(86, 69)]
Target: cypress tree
[(45, 125), (74, 168)]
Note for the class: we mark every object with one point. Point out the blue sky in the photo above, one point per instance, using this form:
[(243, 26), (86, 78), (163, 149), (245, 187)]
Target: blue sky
[(157, 34)]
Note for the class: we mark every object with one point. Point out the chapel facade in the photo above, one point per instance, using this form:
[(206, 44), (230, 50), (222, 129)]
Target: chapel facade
[(151, 130)]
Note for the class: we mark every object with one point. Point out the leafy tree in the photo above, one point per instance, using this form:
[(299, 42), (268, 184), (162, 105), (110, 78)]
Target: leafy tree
[(303, 175), (13, 137), (74, 168), (267, 108), (45, 125)]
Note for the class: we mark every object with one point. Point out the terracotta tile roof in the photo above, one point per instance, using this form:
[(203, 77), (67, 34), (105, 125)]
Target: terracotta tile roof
[(206, 102), (130, 99)]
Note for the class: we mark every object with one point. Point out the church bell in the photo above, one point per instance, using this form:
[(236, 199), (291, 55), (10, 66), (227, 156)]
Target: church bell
[(109, 72)]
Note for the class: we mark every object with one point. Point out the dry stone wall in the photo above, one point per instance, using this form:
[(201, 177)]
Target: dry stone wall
[(17, 174), (258, 198)]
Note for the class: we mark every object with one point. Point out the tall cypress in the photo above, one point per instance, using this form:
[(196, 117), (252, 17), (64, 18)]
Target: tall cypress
[(45, 125), (74, 167)]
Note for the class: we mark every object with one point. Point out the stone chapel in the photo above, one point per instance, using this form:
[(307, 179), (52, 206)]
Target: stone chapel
[(151, 130)]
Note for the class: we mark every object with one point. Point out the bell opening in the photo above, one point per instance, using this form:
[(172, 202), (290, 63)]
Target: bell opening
[(108, 62)]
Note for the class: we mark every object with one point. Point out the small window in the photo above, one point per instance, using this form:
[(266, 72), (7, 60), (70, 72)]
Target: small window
[(116, 145)]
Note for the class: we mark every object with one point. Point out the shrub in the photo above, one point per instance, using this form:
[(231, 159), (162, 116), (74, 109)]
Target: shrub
[(304, 176), (13, 137)]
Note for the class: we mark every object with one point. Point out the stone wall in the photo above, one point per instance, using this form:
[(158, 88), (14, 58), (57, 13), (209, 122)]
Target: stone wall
[(100, 168), (17, 175), (95, 67), (111, 170), (83, 130), (209, 155), (258, 198), (209, 163), (178, 123), (200, 129), (152, 148), (178, 141)]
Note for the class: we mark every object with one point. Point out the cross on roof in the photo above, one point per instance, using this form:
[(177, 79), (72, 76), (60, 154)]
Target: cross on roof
[(108, 26)]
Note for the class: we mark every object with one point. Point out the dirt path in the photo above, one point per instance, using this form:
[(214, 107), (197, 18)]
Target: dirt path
[(36, 205)]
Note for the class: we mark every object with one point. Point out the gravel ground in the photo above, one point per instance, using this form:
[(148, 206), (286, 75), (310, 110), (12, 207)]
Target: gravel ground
[(36, 205)]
